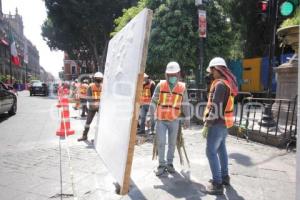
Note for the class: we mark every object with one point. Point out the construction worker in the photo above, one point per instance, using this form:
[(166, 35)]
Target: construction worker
[(218, 117), (93, 98), (148, 90), (75, 94), (83, 96), (169, 102)]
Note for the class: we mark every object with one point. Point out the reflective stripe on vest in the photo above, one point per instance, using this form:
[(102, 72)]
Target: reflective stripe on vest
[(96, 92), (146, 94), (229, 109), (169, 103)]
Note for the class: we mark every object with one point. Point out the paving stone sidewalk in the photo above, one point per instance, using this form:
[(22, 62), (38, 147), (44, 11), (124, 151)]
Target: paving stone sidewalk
[(30, 171)]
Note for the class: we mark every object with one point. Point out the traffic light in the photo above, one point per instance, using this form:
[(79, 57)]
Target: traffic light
[(263, 9), (288, 7), (263, 6)]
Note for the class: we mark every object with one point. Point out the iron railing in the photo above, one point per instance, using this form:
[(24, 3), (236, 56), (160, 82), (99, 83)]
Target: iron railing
[(249, 116)]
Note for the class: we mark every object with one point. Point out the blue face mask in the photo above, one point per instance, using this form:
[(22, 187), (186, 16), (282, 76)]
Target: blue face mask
[(172, 80)]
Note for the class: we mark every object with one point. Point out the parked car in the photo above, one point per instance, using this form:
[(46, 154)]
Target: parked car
[(8, 100), (39, 88)]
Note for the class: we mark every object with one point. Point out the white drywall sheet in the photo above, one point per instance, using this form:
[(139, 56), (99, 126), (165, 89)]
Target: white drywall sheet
[(124, 64)]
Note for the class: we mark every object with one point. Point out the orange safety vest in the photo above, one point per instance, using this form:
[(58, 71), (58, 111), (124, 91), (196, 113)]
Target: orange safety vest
[(146, 94), (83, 90), (169, 102), (229, 109), (96, 92)]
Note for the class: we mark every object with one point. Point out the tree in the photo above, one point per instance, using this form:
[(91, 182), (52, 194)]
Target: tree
[(81, 27), (174, 34)]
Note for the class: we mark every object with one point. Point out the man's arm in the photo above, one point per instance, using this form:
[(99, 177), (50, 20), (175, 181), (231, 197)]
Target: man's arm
[(89, 94), (154, 101), (185, 107), (152, 88)]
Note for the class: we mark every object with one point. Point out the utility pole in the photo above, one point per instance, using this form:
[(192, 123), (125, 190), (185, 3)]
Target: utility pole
[(201, 14), (273, 24), (267, 119), (10, 41)]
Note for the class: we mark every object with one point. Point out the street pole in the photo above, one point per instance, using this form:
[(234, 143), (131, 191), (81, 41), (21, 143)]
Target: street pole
[(201, 65), (273, 20), (201, 18), (26, 74), (9, 53), (10, 65), (267, 119)]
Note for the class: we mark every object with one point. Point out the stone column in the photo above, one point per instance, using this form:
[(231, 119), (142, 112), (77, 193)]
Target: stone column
[(287, 88)]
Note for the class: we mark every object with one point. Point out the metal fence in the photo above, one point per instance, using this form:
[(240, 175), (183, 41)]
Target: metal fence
[(252, 122), (250, 117)]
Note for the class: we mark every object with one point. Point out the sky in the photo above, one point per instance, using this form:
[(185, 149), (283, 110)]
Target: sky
[(34, 13)]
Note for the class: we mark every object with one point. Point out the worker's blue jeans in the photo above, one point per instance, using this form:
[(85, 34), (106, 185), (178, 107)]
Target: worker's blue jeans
[(216, 151), (162, 129), (143, 114)]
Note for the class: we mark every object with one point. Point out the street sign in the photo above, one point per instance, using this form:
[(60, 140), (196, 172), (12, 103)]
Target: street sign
[(202, 23)]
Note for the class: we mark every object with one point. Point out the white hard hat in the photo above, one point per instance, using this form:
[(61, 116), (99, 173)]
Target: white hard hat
[(172, 68), (146, 75), (217, 61), (98, 75)]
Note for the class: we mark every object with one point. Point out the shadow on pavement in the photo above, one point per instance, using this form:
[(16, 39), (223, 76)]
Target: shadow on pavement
[(241, 159), (90, 144), (181, 186), (135, 192), (4, 117), (232, 194)]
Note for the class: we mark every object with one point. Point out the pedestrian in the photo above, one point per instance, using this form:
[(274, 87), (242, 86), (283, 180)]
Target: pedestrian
[(169, 101), (83, 96), (148, 90), (93, 98), (218, 117)]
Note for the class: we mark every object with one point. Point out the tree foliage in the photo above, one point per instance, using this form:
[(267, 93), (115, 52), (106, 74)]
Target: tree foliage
[(174, 34), (81, 27)]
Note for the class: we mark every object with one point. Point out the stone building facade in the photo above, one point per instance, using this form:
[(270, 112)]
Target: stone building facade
[(13, 24)]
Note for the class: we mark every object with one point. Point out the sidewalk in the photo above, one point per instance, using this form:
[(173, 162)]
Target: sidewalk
[(258, 172), (30, 167)]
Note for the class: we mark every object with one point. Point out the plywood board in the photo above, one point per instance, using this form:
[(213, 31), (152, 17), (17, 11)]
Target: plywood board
[(119, 107)]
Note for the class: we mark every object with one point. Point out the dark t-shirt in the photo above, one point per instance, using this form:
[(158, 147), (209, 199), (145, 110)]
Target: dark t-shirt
[(219, 100)]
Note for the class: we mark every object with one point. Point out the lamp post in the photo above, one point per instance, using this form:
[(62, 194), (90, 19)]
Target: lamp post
[(201, 13), (267, 119)]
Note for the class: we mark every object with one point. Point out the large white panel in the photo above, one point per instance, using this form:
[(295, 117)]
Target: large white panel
[(123, 64)]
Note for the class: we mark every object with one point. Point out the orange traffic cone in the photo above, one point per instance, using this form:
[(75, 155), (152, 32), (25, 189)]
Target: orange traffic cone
[(65, 126)]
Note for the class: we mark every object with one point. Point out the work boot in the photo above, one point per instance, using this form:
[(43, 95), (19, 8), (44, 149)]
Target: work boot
[(161, 171), (141, 132), (215, 189), (171, 168), (226, 180), (83, 138)]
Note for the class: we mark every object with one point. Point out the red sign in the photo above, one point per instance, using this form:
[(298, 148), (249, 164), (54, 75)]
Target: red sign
[(202, 23)]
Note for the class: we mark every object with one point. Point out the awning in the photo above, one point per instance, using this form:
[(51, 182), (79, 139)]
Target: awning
[(3, 41)]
